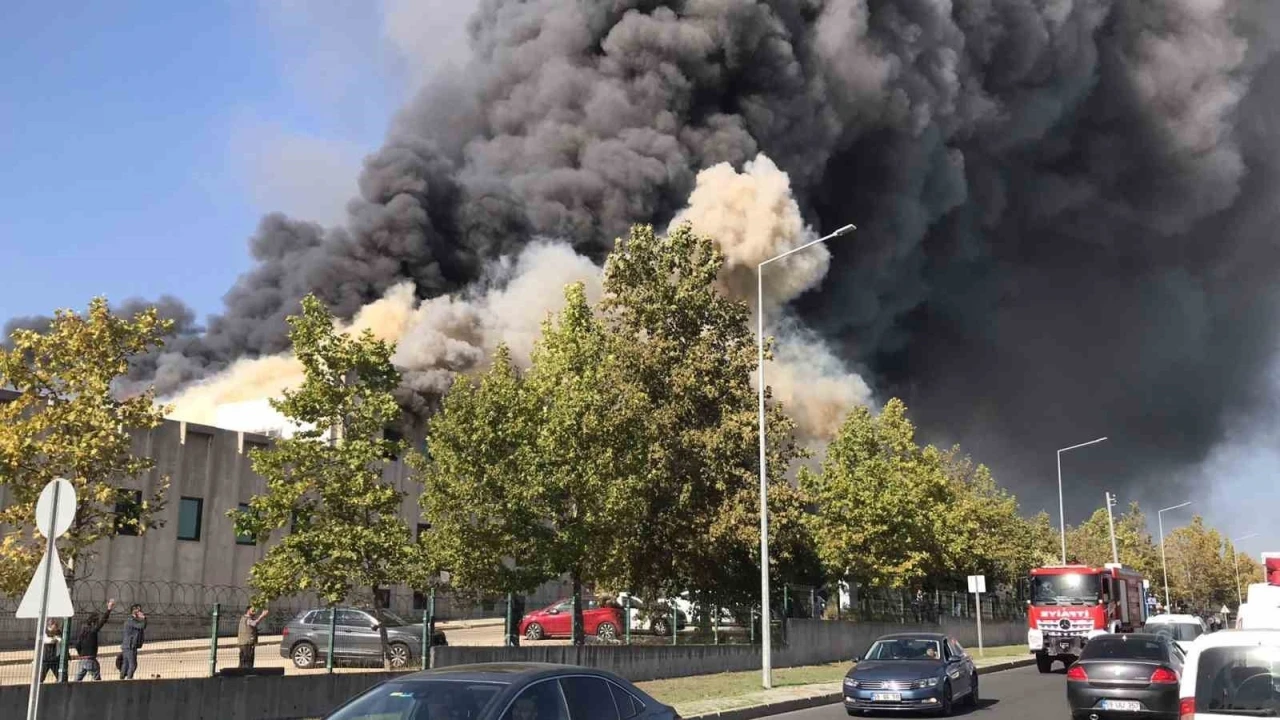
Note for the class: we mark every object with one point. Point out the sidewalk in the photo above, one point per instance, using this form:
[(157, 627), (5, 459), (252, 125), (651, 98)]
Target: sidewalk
[(799, 697), (23, 657)]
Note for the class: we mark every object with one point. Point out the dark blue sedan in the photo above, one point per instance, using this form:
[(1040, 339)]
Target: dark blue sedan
[(911, 672), (505, 691)]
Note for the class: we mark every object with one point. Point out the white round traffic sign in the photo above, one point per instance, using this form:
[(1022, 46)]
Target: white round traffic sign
[(49, 523)]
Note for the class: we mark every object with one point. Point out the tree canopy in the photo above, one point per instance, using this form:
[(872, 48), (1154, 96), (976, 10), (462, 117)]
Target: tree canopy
[(346, 532), (69, 421)]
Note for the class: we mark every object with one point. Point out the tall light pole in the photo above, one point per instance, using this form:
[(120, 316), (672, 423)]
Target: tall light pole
[(1235, 557), (1111, 523), (1164, 566), (766, 634), (1062, 514)]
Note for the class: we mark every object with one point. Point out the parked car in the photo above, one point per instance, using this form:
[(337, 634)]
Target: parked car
[(305, 639), (601, 620), (1126, 675), (911, 671), (654, 618), (1232, 674), (506, 691), (1182, 629)]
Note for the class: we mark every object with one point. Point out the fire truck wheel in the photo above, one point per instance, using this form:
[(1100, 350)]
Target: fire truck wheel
[(1044, 663)]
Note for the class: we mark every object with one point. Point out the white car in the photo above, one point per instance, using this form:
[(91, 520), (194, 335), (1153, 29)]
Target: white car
[(1231, 674), (656, 620), (1181, 629)]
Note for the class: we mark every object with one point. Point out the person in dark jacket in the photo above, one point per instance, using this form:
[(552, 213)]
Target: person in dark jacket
[(49, 662), (131, 641), (87, 644)]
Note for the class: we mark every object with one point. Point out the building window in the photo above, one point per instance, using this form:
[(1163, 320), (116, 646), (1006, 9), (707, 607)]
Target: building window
[(190, 518), (384, 598), (419, 600), (395, 436), (422, 528), (245, 539), (128, 512)]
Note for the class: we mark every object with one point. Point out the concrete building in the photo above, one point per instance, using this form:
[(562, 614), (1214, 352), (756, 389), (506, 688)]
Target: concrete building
[(195, 557)]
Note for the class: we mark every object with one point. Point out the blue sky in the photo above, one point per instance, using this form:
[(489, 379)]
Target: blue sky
[(142, 141)]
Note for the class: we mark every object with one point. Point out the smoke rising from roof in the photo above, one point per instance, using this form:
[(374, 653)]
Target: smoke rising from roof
[(1065, 207)]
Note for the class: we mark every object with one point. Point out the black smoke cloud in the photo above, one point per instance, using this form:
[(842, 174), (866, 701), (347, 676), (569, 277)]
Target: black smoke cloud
[(1064, 205)]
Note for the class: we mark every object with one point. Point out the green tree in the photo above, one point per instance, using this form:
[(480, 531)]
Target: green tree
[(692, 352), (1201, 573), (326, 483), (985, 531), (68, 422), (565, 493), (881, 515)]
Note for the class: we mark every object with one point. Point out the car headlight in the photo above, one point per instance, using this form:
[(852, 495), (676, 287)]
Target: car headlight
[(850, 682), (931, 682)]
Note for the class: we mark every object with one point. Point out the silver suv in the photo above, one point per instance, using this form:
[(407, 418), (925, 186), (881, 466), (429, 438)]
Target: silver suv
[(305, 639)]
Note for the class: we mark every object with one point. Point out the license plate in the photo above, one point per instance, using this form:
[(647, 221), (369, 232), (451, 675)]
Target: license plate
[(1131, 705), (886, 697), (1064, 646)]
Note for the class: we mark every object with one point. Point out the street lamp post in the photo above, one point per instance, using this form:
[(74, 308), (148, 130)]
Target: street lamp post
[(766, 638), (1164, 566), (1235, 558), (1062, 514), (1111, 523)]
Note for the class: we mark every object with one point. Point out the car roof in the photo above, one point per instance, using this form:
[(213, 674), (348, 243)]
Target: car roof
[(914, 636), (504, 672), (1167, 618)]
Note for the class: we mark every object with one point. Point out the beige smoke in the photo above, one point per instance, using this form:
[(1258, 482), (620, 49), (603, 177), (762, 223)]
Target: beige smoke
[(434, 339), (751, 214)]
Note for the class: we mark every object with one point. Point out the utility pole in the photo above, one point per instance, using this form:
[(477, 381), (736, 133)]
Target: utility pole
[(1111, 523)]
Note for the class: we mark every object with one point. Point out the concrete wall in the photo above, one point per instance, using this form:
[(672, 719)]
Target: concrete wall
[(247, 698), (809, 642)]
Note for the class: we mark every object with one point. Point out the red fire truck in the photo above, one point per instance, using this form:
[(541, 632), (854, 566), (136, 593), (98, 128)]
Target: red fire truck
[(1068, 604)]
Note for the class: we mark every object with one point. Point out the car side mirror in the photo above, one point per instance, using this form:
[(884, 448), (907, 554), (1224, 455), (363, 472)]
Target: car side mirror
[(856, 659), (553, 611)]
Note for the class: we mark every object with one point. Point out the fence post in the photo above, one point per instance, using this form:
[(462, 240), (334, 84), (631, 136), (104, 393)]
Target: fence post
[(715, 625), (426, 639), (813, 604), (626, 619), (213, 641), (675, 622), (431, 613), (333, 629), (751, 624), (64, 649)]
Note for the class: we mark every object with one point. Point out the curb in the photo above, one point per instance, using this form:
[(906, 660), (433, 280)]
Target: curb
[(786, 706)]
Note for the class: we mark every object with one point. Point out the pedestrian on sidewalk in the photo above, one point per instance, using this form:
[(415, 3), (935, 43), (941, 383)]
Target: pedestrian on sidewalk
[(49, 661), (247, 636), (87, 644), (131, 641)]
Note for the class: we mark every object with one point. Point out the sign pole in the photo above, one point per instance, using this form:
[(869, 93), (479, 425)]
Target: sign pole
[(37, 656), (977, 586)]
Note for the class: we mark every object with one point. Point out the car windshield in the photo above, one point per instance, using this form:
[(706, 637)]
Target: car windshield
[(1123, 648), (1185, 632), (1074, 588), (1239, 681), (904, 649), (421, 700)]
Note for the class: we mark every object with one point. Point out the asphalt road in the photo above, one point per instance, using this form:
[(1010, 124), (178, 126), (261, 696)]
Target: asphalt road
[(1009, 695)]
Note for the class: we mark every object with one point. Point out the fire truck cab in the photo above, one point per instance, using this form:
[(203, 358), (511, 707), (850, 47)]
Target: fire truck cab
[(1068, 604)]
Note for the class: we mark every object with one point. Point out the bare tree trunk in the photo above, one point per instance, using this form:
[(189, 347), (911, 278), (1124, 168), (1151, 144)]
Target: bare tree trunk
[(579, 636), (382, 628)]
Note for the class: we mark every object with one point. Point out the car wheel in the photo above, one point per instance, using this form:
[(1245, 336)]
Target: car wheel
[(945, 706), (400, 655), (660, 626), (303, 655), (1044, 663), (973, 694), (534, 632), (606, 632)]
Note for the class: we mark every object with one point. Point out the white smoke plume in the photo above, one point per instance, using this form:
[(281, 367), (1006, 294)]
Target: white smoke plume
[(752, 216)]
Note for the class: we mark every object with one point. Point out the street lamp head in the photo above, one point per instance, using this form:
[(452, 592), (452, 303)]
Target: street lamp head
[(843, 231), (1175, 507)]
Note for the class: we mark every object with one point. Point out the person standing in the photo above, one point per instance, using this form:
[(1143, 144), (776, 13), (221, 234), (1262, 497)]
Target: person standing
[(247, 636), (87, 644), (49, 661), (131, 641)]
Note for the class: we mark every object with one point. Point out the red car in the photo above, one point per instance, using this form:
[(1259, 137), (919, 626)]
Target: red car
[(605, 622)]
